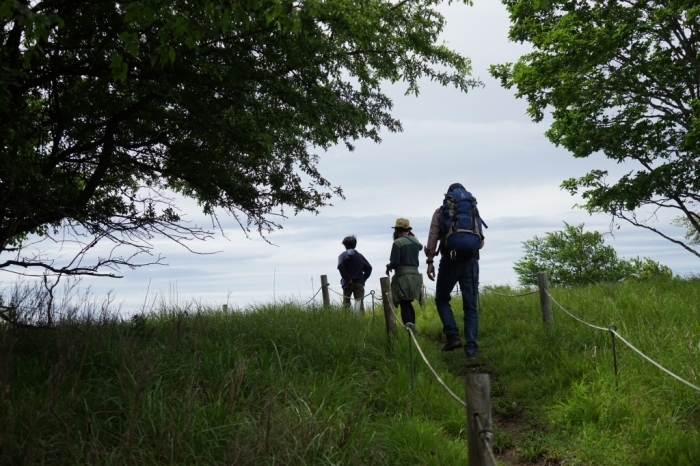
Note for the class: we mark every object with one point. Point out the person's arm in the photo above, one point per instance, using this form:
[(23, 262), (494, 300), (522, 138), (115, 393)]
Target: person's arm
[(431, 246), (433, 236), (394, 258)]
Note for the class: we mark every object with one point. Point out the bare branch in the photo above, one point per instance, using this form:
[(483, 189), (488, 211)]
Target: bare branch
[(634, 222)]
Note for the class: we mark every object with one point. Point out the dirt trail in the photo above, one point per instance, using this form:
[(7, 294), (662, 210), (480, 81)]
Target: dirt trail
[(516, 427)]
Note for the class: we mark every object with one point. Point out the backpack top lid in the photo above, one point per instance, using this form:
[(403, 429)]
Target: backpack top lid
[(458, 194), (459, 212)]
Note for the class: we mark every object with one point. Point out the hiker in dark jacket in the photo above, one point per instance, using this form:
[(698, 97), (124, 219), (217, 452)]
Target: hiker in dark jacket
[(407, 283), (455, 267), (354, 272)]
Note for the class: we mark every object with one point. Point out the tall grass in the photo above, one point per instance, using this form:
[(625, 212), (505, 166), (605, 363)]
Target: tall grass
[(279, 385), (289, 385), (563, 383)]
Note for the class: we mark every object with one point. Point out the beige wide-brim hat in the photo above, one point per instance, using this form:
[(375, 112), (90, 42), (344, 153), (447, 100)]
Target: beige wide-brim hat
[(402, 223)]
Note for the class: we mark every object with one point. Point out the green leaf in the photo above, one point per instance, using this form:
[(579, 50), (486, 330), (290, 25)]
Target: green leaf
[(119, 67)]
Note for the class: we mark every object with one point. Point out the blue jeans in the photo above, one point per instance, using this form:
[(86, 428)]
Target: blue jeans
[(467, 274)]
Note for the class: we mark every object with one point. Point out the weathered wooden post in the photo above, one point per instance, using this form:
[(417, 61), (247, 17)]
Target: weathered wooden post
[(386, 301), (324, 291), (545, 301), (479, 435), (224, 308)]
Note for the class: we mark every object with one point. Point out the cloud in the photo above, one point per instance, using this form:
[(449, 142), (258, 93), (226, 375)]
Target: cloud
[(483, 139)]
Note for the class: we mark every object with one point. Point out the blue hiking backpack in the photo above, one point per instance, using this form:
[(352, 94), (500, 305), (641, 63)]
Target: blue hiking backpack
[(460, 223)]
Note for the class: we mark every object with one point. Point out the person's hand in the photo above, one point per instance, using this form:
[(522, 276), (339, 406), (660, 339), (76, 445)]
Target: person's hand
[(388, 269), (431, 272)]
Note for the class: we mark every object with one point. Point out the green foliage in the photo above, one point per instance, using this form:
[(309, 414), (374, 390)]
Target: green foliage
[(620, 78), (109, 109), (575, 257), (647, 269)]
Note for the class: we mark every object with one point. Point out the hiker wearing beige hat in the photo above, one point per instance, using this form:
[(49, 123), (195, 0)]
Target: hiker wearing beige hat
[(407, 283)]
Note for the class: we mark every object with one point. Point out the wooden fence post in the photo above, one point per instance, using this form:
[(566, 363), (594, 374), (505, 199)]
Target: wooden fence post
[(545, 301), (478, 404), (324, 291), (386, 300)]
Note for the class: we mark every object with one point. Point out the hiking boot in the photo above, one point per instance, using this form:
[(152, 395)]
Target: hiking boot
[(453, 342), (470, 355)]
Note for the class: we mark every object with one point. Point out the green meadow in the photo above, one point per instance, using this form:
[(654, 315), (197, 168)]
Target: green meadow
[(294, 385)]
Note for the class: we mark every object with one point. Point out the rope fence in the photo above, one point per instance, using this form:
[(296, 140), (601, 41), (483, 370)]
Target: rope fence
[(371, 293), (612, 330), (544, 292), (313, 297), (326, 299), (510, 295), (546, 297), (410, 329), (455, 291), (573, 316), (484, 435), (479, 428), (487, 291)]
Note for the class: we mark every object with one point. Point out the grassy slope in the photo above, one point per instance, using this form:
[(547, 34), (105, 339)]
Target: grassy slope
[(563, 382), (277, 386), (287, 386)]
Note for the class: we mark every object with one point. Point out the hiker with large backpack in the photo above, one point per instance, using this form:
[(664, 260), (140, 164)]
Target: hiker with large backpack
[(458, 228)]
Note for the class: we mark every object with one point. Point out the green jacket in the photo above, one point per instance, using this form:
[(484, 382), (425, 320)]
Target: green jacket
[(407, 282)]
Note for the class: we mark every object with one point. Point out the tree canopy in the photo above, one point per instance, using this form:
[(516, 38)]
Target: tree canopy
[(109, 110), (621, 77), (573, 257)]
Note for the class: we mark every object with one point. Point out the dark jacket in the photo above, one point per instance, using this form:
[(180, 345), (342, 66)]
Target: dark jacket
[(353, 266)]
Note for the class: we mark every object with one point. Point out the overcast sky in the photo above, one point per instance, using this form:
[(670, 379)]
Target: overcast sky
[(482, 139)]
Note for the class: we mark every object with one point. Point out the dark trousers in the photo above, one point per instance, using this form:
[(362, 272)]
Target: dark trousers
[(408, 314), (466, 273), (358, 292)]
